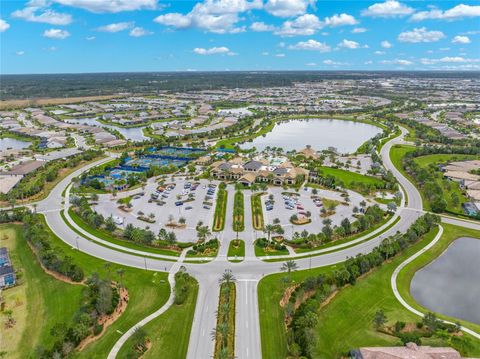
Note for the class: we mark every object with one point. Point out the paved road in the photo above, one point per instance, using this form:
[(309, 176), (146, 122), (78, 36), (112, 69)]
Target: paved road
[(247, 273)]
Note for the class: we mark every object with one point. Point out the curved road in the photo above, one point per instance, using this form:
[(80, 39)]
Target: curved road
[(247, 273)]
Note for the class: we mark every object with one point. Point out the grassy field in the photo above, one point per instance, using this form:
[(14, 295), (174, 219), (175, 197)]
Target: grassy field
[(169, 333), (9, 104), (147, 291), (35, 304), (272, 328), (453, 187), (396, 155), (349, 178)]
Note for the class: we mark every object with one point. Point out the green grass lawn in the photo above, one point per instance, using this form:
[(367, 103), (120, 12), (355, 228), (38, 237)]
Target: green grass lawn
[(106, 236), (272, 327), (236, 248), (42, 307), (170, 333), (453, 187), (348, 177), (397, 152)]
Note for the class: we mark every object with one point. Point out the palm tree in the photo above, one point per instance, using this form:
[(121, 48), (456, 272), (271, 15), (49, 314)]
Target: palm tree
[(269, 228), (227, 277), (203, 232), (289, 266)]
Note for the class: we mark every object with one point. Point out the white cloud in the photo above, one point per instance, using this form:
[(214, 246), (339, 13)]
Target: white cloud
[(461, 40), (287, 8), (369, 62), (4, 25), (358, 30), (389, 8), (265, 53), (379, 52), (280, 55), (311, 64), (458, 12), (448, 59), (349, 44), (20, 53), (56, 34), (420, 35), (386, 45), (115, 27), (90, 38), (111, 6), (36, 12), (397, 62), (139, 32), (212, 50), (261, 27), (217, 16), (333, 63), (304, 25), (340, 20), (311, 45)]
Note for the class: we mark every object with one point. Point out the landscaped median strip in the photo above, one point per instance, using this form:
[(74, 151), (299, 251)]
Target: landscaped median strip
[(224, 333), (393, 283)]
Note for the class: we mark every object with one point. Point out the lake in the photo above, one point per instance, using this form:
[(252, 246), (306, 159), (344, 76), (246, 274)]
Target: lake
[(345, 136), (131, 133), (12, 143), (450, 284)]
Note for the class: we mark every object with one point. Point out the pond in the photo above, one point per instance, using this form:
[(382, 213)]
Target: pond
[(345, 136), (450, 284), (7, 143), (131, 133)]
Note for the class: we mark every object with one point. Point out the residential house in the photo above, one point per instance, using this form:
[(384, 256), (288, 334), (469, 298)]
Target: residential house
[(7, 273)]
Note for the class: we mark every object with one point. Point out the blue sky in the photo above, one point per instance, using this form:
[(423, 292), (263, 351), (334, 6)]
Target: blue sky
[(61, 36)]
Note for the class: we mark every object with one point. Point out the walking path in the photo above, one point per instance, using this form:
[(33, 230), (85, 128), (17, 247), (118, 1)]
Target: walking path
[(171, 280), (393, 282)]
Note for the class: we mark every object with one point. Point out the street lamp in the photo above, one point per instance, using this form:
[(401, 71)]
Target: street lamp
[(76, 241)]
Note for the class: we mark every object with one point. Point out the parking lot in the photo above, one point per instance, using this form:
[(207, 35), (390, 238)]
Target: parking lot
[(195, 201), (172, 200), (286, 205)]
